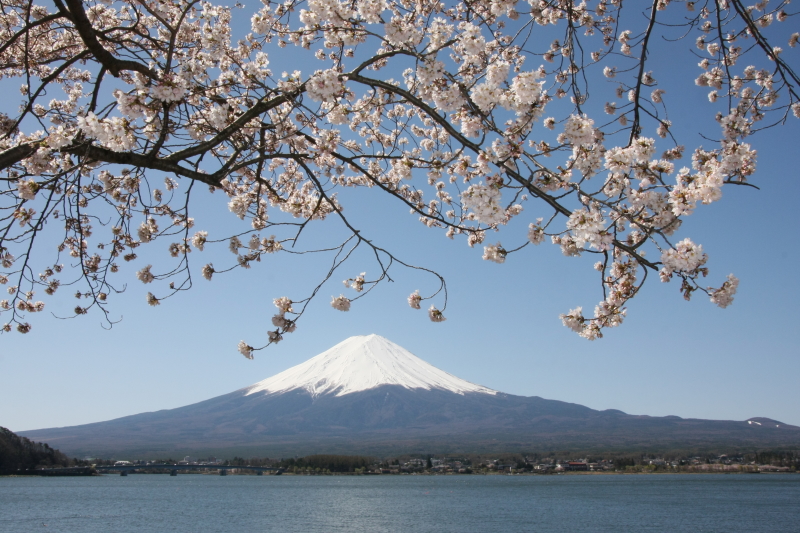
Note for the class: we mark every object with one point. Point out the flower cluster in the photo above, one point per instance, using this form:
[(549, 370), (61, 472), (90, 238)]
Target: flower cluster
[(245, 349), (27, 189), (588, 227), (723, 296), (357, 283), (484, 202), (414, 300), (579, 130), (686, 257), (113, 133), (435, 315), (325, 86), (280, 321), (340, 303), (495, 253)]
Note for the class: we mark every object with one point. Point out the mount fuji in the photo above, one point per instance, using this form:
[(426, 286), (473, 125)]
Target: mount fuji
[(369, 395)]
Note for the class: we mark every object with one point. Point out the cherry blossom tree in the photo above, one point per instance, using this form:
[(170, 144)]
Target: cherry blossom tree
[(468, 114)]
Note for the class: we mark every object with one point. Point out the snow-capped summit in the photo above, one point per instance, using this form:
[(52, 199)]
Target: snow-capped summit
[(361, 363)]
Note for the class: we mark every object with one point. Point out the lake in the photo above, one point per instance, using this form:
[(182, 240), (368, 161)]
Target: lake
[(419, 504)]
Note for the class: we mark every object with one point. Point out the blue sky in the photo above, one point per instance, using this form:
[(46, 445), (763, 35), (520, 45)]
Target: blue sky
[(671, 357)]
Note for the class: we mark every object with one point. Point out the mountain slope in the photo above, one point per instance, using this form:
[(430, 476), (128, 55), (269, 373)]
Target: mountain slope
[(367, 394)]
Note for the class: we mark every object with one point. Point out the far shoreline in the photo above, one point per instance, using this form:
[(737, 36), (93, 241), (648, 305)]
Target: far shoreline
[(432, 474)]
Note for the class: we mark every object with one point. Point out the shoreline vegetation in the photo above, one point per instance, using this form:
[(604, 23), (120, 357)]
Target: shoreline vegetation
[(505, 464), (20, 456), (233, 472)]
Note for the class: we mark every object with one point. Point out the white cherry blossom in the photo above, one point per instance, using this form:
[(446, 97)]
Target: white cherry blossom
[(154, 115)]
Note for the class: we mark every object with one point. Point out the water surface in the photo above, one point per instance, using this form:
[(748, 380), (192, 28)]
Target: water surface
[(420, 504)]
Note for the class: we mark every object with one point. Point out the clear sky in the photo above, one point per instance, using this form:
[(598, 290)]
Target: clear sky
[(671, 357)]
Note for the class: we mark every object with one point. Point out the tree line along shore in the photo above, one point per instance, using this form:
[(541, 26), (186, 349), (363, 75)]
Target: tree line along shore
[(21, 456), (512, 463)]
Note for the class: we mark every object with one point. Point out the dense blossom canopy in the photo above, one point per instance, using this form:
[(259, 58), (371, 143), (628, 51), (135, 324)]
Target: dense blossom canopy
[(469, 114)]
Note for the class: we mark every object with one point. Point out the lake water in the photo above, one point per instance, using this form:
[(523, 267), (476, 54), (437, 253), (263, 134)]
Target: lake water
[(418, 504)]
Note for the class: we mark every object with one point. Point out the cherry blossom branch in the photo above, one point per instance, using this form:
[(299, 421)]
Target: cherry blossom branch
[(74, 10), (635, 127)]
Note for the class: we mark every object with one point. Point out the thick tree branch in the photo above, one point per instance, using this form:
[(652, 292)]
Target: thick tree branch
[(89, 37)]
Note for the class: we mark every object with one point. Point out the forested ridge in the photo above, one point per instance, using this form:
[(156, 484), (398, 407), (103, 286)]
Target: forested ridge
[(18, 453)]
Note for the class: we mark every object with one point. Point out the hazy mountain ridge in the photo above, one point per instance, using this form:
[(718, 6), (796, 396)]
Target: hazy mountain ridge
[(398, 411)]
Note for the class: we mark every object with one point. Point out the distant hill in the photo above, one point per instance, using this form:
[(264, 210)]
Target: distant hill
[(370, 396), (19, 453)]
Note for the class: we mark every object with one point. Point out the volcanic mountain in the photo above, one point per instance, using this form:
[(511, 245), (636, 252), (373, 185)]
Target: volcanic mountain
[(369, 395)]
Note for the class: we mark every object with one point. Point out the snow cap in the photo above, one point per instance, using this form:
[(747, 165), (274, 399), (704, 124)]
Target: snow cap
[(361, 363)]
